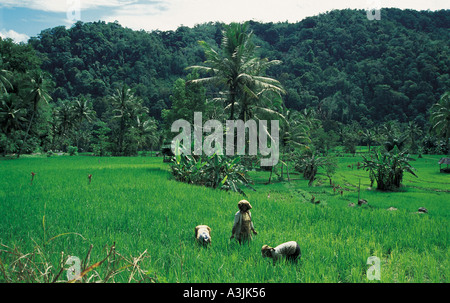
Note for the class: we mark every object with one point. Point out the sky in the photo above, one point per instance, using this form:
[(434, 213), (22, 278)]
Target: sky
[(22, 19)]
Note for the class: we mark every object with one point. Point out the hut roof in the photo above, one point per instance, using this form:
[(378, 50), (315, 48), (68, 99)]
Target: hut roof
[(167, 150), (444, 161)]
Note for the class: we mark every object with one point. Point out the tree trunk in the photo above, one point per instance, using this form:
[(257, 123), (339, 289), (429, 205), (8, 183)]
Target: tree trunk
[(287, 171), (270, 176), (121, 136), (26, 134), (232, 100)]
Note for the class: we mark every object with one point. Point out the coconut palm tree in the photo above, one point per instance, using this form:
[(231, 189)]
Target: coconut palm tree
[(295, 131), (4, 81), (12, 115), (413, 131), (295, 135), (64, 119), (369, 137), (237, 69), (37, 93), (395, 140), (308, 116), (148, 133), (138, 111), (309, 166), (440, 117), (124, 105), (81, 111)]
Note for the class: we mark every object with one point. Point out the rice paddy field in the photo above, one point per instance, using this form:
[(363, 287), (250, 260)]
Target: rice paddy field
[(133, 204)]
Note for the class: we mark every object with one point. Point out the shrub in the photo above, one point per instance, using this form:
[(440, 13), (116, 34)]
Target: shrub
[(330, 166), (72, 150), (433, 145), (214, 171), (309, 166), (387, 168)]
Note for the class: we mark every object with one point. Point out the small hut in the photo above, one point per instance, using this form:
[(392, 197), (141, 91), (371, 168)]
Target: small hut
[(445, 161), (166, 150)]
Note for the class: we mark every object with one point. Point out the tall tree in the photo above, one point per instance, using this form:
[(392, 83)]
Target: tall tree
[(81, 111), (413, 131), (38, 92), (5, 84), (122, 102), (295, 135), (12, 120), (12, 114), (64, 120), (237, 68), (369, 137), (440, 117), (148, 135), (129, 111)]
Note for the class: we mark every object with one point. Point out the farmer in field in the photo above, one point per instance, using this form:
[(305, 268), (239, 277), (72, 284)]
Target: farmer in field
[(203, 234), (289, 250), (243, 225)]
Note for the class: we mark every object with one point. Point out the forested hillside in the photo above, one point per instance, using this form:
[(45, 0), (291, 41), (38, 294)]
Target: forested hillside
[(341, 62), (344, 67)]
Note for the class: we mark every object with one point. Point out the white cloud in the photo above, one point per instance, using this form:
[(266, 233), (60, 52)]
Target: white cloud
[(62, 6), (17, 37), (170, 14), (215, 8)]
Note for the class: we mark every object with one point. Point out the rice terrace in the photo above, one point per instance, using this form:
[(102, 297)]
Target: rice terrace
[(133, 203), (96, 184)]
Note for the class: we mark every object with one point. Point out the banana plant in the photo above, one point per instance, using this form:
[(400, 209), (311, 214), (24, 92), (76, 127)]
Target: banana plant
[(216, 171), (387, 168)]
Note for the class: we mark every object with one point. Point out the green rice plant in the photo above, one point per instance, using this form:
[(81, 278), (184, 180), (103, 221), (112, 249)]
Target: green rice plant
[(135, 204)]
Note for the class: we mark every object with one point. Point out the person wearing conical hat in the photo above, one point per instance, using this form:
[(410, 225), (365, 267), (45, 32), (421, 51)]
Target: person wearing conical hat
[(243, 225)]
